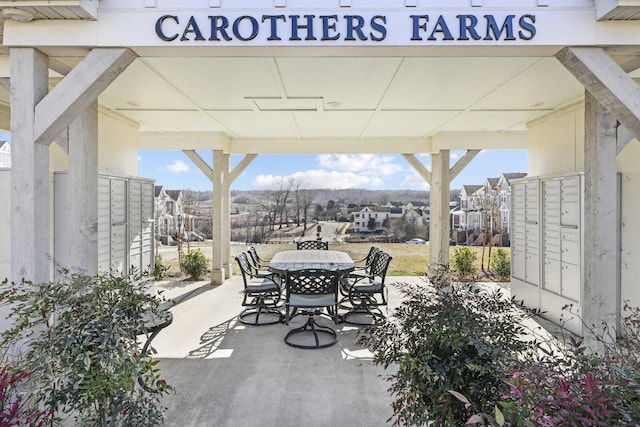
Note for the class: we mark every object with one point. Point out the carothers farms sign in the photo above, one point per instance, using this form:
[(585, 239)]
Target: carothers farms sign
[(325, 29)]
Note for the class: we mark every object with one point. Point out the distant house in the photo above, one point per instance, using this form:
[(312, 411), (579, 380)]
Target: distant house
[(469, 205), (416, 216), (5, 154), (169, 213), (489, 201), (381, 216), (371, 219), (504, 190)]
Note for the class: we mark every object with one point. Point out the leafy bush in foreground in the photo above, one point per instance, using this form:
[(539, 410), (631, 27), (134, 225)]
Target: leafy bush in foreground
[(79, 343), (444, 338), (460, 356)]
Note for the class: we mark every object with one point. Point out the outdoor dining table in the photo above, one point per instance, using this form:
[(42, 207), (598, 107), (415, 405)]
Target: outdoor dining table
[(306, 259)]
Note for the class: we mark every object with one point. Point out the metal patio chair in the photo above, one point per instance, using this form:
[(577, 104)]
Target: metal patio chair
[(368, 293), (312, 244), (261, 295), (259, 266), (257, 259), (311, 291)]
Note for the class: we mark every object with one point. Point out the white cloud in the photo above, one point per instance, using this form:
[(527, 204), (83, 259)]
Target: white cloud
[(178, 166), (321, 178), (366, 164), (455, 155), (415, 182)]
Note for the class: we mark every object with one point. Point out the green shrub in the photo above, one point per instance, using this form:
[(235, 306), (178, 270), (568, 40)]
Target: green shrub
[(159, 269), (577, 384), (463, 261), (446, 338), (78, 337), (501, 263), (194, 263)]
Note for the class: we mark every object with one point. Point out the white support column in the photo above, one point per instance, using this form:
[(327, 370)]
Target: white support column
[(601, 297), (30, 178), (226, 216), (217, 252), (226, 177), (83, 191), (439, 225)]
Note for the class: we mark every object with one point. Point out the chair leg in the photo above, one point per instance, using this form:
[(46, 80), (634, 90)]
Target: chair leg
[(312, 328), (367, 307), (251, 315)]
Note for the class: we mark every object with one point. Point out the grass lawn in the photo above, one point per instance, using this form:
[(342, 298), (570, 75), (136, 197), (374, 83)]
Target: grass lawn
[(408, 260)]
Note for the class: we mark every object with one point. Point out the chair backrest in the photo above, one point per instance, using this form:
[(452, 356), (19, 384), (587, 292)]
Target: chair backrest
[(245, 267), (312, 282), (371, 256), (380, 265), (313, 244), (253, 254)]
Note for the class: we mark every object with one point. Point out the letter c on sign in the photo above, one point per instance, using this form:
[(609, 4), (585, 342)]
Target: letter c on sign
[(161, 33)]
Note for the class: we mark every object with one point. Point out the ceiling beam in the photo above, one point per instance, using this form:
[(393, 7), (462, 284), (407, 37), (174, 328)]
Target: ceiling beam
[(328, 145), (183, 141), (78, 90), (269, 145), (456, 141), (609, 84)]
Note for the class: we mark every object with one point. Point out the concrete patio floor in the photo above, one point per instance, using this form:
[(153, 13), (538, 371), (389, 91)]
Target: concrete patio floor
[(225, 373)]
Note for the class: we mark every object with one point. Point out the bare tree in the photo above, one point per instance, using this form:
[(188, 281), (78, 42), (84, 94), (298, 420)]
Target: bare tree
[(190, 205), (306, 200), (282, 197), (490, 206), (270, 209), (297, 197)]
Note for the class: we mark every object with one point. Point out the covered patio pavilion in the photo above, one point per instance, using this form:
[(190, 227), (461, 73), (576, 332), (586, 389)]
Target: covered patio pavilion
[(91, 83)]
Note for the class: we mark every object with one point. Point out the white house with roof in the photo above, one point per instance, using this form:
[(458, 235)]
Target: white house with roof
[(415, 212), (504, 199), (462, 219), (489, 201), (5, 154), (371, 219)]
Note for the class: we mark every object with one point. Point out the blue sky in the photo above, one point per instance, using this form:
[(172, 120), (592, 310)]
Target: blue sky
[(174, 170)]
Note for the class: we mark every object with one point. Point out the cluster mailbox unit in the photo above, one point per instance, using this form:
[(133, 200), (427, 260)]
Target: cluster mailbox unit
[(546, 245), (125, 223)]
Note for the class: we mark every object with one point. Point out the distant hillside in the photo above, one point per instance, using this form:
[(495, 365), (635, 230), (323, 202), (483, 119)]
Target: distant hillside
[(359, 196), (322, 196)]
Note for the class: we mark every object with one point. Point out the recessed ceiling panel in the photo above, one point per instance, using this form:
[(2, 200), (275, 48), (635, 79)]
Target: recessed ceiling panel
[(332, 123), (354, 83), (407, 123), (249, 124), (450, 83), (167, 121), (220, 83), (139, 87), (547, 84)]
